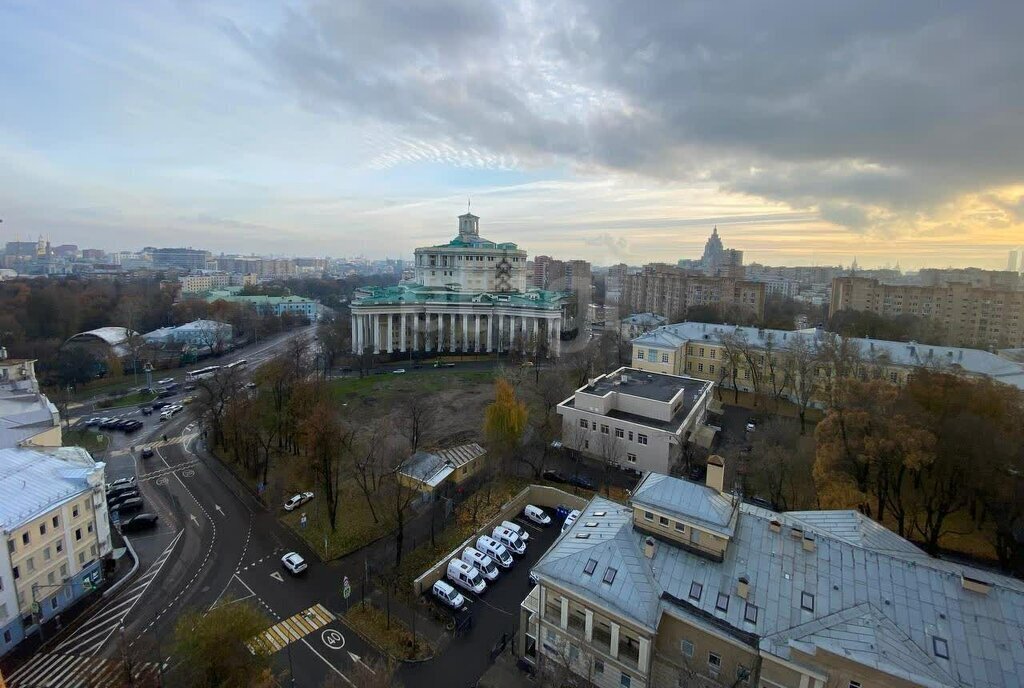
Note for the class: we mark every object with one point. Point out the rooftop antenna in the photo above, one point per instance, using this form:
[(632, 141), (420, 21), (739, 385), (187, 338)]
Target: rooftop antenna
[(469, 203)]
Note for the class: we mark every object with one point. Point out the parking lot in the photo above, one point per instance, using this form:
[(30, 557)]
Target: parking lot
[(494, 613)]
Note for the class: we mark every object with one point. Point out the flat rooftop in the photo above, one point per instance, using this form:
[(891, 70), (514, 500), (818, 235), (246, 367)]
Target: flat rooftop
[(654, 386)]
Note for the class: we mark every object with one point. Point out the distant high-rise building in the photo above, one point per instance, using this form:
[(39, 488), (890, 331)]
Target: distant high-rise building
[(1016, 261), (671, 291), (713, 249), (181, 258)]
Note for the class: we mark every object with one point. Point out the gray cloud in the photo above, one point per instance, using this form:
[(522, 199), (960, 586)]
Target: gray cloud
[(840, 106)]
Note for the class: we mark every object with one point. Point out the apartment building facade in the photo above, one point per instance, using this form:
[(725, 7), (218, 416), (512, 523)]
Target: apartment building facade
[(767, 359), (686, 586), (27, 417), (671, 291), (968, 315), (53, 519), (634, 419)]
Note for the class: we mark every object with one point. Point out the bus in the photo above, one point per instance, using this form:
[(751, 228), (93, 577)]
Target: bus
[(241, 363), (201, 373)]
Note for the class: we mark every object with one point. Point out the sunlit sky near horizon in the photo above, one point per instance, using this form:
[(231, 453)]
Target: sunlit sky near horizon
[(809, 132)]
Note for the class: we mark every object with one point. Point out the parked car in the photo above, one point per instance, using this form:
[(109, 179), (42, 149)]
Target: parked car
[(582, 481), (190, 388), (483, 563), (398, 371), (554, 476), (120, 497), (447, 595), (466, 576), (147, 410), (536, 515), (147, 452), (160, 404), (495, 550), (294, 562), (120, 482), (442, 364), (297, 501), (91, 422), (751, 425), (132, 426), (166, 394), (517, 529), (570, 519), (165, 381), (510, 539), (128, 505), (138, 522)]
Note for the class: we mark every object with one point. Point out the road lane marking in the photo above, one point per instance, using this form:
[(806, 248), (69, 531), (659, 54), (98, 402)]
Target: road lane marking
[(291, 630), (277, 575)]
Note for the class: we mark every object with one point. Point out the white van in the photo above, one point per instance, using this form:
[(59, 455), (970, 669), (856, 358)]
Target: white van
[(570, 519), (448, 595), (517, 529), (495, 550), (466, 576), (537, 515), (483, 563), (509, 538)]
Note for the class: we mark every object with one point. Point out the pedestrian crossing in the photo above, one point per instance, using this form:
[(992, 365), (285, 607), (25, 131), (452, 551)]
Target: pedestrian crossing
[(182, 439), (60, 670), (291, 629)]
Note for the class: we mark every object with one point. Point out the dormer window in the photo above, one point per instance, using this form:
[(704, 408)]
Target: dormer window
[(696, 589)]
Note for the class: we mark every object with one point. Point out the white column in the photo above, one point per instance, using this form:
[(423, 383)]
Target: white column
[(440, 332), (375, 323), (401, 333), (465, 332), (357, 336), (558, 338), (427, 344), (615, 640), (355, 341), (563, 620), (391, 337), (415, 331), (644, 657), (536, 334), (476, 333), (588, 625), (490, 331)]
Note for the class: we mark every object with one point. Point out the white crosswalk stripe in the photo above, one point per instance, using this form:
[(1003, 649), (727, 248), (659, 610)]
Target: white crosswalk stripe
[(90, 638), (57, 670)]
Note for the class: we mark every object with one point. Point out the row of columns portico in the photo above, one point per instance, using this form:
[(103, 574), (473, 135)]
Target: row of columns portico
[(434, 330)]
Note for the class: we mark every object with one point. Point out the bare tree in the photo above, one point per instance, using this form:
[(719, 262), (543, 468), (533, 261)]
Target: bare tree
[(610, 450), (367, 464), (214, 394), (800, 361), (329, 445)]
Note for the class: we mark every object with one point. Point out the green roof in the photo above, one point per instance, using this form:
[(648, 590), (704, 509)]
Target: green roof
[(477, 242), (417, 293)]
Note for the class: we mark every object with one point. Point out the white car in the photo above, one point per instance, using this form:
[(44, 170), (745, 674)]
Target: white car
[(294, 562), (517, 529), (398, 371), (165, 381), (536, 515), (570, 519), (751, 426), (448, 595), (297, 501), (121, 482)]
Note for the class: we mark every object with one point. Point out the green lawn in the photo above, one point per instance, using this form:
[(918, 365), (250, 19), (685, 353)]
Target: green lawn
[(421, 381), (133, 399), (355, 528), (88, 439)]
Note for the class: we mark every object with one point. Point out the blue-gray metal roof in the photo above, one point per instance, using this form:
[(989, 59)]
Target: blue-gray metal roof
[(34, 482), (689, 501), (882, 607)]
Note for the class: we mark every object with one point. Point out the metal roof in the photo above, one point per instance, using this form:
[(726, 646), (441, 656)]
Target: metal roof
[(973, 361), (888, 607), (111, 335), (688, 501), (34, 482), (433, 468), (411, 293)]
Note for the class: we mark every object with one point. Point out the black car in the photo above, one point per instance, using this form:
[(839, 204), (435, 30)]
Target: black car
[(114, 493), (190, 388), (129, 505), (147, 452), (113, 502), (139, 522), (109, 425), (581, 481), (166, 394), (555, 477), (160, 404), (147, 410)]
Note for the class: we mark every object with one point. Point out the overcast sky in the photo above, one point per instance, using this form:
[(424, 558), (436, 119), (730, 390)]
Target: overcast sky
[(809, 132)]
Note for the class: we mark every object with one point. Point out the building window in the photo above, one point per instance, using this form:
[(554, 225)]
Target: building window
[(589, 568), (664, 358), (30, 564), (663, 521), (619, 433), (583, 423), (940, 646), (604, 429), (16, 572), (598, 666), (46, 554), (89, 527), (746, 374), (807, 601), (64, 570), (714, 661), (722, 603), (711, 369), (641, 438), (750, 614), (60, 545), (696, 589), (894, 377), (586, 444), (648, 516), (711, 354), (681, 527), (689, 351), (700, 367), (11, 546), (42, 529), (624, 681), (701, 353), (25, 539), (81, 557), (652, 355), (686, 647), (640, 354), (630, 458), (74, 511), (78, 533), (630, 435)]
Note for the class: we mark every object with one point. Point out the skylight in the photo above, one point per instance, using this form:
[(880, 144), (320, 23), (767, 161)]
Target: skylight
[(696, 589), (589, 568), (609, 575), (582, 536), (722, 603), (600, 513), (750, 613), (807, 601), (590, 524), (940, 646)]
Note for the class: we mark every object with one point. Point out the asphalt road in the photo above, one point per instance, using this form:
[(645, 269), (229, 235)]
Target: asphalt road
[(214, 544)]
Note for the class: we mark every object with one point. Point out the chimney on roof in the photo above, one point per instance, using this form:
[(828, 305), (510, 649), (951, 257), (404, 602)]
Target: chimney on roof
[(649, 547), (743, 587), (716, 473)]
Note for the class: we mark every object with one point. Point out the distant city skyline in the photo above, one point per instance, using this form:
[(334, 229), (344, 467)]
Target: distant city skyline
[(809, 134)]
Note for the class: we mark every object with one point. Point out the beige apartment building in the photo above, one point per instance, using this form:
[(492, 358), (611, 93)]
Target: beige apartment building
[(53, 520), (686, 586), (968, 315), (671, 291), (634, 419), (27, 417), (766, 359)]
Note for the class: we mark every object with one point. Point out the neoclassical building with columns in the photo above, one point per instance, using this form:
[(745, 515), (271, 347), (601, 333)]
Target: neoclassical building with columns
[(468, 296)]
